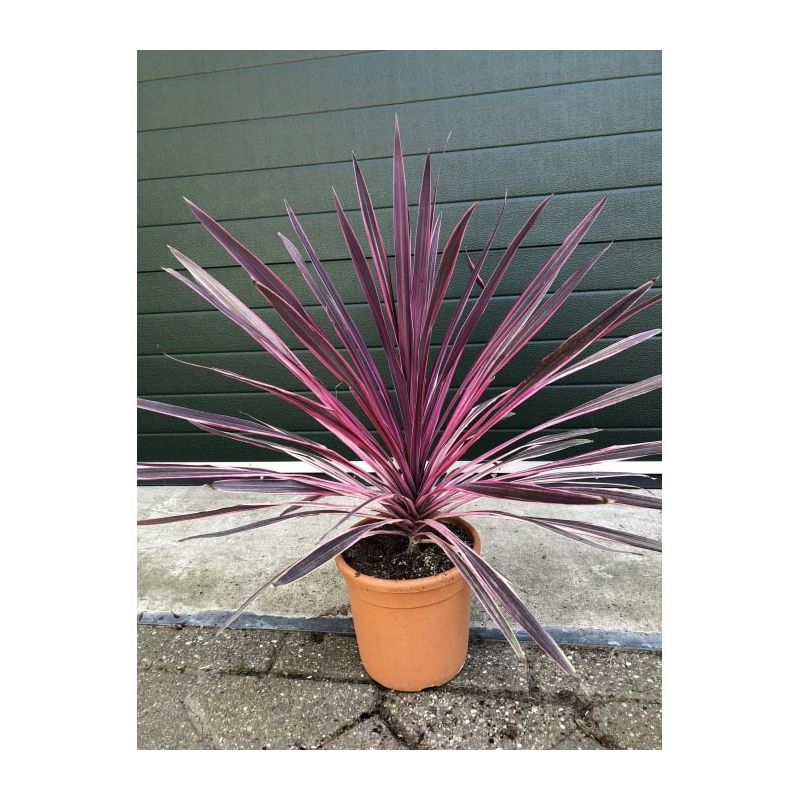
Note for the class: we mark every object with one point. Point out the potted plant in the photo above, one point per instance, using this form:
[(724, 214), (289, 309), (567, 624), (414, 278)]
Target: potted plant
[(408, 556)]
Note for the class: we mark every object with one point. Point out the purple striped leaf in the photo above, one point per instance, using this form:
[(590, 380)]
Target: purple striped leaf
[(413, 425), (502, 590), (202, 514)]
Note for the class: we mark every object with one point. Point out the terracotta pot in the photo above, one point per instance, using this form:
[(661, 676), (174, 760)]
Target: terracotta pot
[(411, 634)]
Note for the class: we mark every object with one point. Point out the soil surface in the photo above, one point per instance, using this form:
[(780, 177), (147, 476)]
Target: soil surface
[(386, 556)]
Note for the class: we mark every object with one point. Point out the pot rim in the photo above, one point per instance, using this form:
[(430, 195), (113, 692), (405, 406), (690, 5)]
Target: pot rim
[(410, 585)]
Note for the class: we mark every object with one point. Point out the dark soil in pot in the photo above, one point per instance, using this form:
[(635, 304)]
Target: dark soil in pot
[(386, 556)]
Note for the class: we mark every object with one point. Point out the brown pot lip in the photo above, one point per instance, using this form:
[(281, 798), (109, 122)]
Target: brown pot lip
[(411, 585)]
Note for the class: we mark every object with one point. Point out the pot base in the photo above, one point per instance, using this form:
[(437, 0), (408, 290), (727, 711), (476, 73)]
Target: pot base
[(395, 685)]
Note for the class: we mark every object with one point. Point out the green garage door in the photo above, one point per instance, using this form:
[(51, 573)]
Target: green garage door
[(239, 131)]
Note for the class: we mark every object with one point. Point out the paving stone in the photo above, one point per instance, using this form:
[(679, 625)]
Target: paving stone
[(632, 724), (445, 720), (257, 712), (634, 674), (162, 720), (578, 741), (312, 655), (196, 692), (491, 666), (188, 649), (371, 734)]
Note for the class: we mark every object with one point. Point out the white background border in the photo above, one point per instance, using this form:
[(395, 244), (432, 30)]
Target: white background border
[(730, 279)]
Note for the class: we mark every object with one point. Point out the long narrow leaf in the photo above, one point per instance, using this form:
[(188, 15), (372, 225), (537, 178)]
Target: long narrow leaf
[(306, 564), (510, 600), (262, 523), (202, 514)]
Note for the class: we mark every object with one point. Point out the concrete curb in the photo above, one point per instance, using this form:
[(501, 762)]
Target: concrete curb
[(578, 637)]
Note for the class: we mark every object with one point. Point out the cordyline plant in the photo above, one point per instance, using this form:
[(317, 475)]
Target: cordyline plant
[(415, 477)]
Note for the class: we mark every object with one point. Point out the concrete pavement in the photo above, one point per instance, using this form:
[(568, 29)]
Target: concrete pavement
[(563, 582)]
